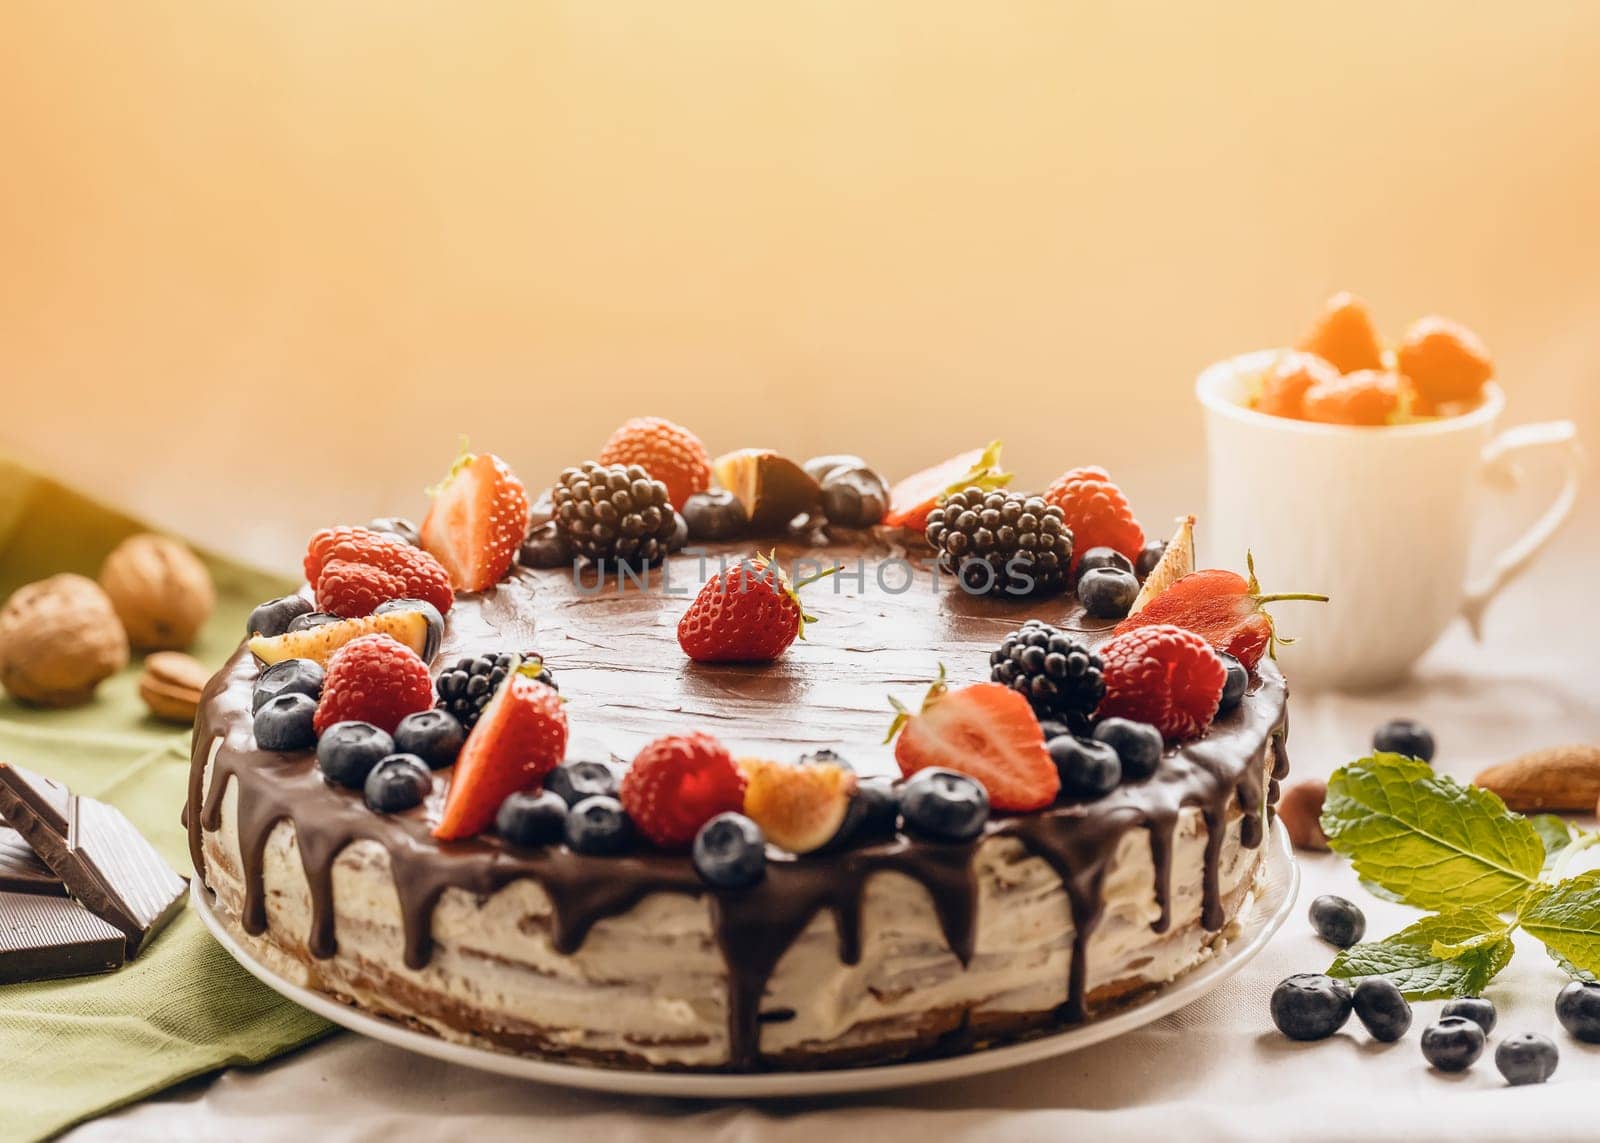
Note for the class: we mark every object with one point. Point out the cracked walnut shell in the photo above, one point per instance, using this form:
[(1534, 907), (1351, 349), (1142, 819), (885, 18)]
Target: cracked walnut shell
[(59, 638), (160, 589)]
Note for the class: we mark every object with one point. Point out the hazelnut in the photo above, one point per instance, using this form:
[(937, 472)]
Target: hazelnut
[(59, 638), (160, 589), (1300, 810)]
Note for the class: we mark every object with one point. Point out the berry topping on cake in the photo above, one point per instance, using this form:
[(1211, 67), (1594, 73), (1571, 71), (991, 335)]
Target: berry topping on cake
[(986, 731), (943, 805), (1222, 606), (598, 826), (286, 722), (531, 818), (730, 852), (668, 452), (1096, 511), (614, 514), (747, 614), (800, 808), (678, 783), (521, 737), (373, 679), (274, 616), (1104, 557), (917, 495), (435, 736), (397, 783), (350, 590), (398, 526), (1366, 397), (466, 687), (1237, 682), (1107, 593), (289, 676), (575, 781), (347, 752), (874, 812), (854, 496), (1139, 746), (477, 522), (318, 642), (1165, 676), (772, 488), (1089, 768), (1445, 360), (1282, 389), (1059, 676), (1344, 335), (999, 542), (422, 576)]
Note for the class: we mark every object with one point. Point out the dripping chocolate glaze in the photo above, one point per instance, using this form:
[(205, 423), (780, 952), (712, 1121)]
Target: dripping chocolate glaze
[(627, 681)]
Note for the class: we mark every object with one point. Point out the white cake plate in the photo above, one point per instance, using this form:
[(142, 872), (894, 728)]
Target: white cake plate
[(1275, 897)]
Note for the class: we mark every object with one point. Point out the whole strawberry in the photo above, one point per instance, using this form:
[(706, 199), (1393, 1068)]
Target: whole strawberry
[(373, 679), (520, 737), (747, 614), (678, 783), (670, 453), (1165, 676), (477, 522), (351, 590), (1096, 511), (1223, 607), (421, 575)]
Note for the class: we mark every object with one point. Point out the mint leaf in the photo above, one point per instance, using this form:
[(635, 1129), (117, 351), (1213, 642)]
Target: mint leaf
[(1566, 917), (1427, 838), (1556, 835), (1409, 957)]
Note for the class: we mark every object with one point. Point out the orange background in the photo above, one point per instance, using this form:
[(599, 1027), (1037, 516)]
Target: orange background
[(260, 264)]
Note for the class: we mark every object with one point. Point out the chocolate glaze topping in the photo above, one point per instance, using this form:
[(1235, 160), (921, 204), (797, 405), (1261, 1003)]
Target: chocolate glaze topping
[(615, 651)]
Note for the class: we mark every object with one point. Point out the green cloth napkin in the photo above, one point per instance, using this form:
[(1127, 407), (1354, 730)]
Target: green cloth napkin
[(73, 1049)]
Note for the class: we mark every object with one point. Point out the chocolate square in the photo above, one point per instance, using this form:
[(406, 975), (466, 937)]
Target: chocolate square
[(21, 871), (46, 938)]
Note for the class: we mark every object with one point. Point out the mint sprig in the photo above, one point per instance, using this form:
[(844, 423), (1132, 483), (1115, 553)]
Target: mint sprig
[(1427, 840)]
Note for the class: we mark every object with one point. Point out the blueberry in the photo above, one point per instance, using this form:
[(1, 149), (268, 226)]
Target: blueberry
[(432, 735), (1453, 1044), (598, 825), (284, 723), (435, 637), (1478, 1009), (1053, 728), (730, 852), (546, 547), (1404, 736), (1139, 746), (819, 468), (397, 526), (574, 781), (716, 514), (1234, 684), (532, 818), (873, 814), (1337, 921), (825, 757), (1381, 1007), (348, 751), (288, 677), (273, 617), (854, 497), (1526, 1058), (1088, 769), (680, 533), (1104, 557), (1310, 1006), (313, 619), (1578, 1009), (943, 805), (398, 783), (1107, 593), (1149, 556)]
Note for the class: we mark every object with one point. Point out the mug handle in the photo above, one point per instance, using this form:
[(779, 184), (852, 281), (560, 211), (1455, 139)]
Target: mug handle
[(1500, 467)]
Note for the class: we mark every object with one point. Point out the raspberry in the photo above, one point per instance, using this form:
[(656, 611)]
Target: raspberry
[(351, 590), (678, 783), (1097, 512), (1366, 397), (1445, 360), (1163, 675), (424, 577), (669, 453), (1283, 387), (1344, 335), (373, 679)]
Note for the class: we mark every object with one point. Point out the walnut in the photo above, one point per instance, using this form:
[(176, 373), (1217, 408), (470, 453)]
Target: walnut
[(161, 590), (58, 639)]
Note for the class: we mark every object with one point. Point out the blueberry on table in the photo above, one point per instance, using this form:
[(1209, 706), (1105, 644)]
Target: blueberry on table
[(1578, 1009), (1404, 736), (1475, 1008), (574, 781), (599, 826), (1088, 768), (1526, 1058), (532, 818), (1149, 556), (348, 751), (1339, 922), (1104, 557), (730, 852), (1234, 683), (1382, 1009), (943, 805), (1139, 746), (435, 736), (273, 617), (398, 783), (1107, 593), (430, 646), (290, 676), (284, 723), (1453, 1044), (1310, 1006)]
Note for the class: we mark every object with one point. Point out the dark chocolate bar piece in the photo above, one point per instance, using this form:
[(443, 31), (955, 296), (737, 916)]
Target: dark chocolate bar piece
[(21, 871), (46, 938), (106, 863)]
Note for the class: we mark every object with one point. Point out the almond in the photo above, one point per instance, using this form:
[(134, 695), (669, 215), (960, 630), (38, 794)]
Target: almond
[(1555, 778), (1300, 810), (171, 685)]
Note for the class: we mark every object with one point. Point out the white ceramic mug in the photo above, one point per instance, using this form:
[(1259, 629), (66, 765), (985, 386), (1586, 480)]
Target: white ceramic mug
[(1379, 519)]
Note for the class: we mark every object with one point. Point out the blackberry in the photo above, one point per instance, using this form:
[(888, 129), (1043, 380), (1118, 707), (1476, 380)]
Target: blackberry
[(1001, 542), (614, 513), (1059, 676), (466, 687)]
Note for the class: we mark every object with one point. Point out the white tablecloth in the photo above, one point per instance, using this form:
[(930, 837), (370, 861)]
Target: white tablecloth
[(1214, 1070)]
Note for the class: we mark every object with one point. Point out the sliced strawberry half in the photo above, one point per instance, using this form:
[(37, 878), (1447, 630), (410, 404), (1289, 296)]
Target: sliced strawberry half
[(477, 522), (985, 731), (520, 737), (913, 498)]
